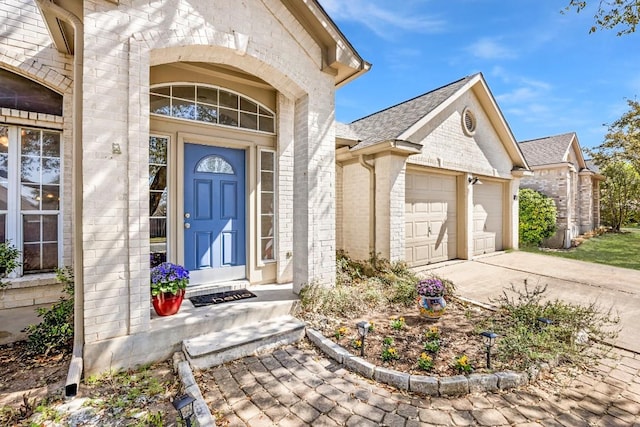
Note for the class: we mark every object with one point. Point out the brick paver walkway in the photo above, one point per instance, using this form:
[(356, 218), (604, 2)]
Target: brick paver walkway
[(296, 386)]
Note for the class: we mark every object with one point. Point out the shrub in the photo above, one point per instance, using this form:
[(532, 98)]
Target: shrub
[(361, 286), (9, 257), (524, 340), (537, 217), (55, 332)]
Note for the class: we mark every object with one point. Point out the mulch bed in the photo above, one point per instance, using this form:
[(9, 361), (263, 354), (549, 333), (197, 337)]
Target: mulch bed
[(457, 329)]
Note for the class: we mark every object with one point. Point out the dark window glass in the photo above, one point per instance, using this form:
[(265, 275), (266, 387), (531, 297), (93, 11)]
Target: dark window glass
[(20, 93)]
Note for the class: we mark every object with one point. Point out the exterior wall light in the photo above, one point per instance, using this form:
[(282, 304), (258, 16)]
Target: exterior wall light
[(489, 340), (363, 330), (473, 180), (184, 406)]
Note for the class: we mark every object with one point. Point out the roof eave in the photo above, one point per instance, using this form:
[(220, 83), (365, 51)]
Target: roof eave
[(396, 146), (339, 57)]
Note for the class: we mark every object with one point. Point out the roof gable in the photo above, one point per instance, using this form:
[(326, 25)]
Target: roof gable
[(390, 123), (403, 120), (552, 150)]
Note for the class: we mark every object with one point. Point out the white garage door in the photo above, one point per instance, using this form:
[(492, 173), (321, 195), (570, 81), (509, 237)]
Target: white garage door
[(430, 215), (487, 218)]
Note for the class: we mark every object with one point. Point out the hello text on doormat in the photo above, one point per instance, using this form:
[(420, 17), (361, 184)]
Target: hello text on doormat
[(221, 297)]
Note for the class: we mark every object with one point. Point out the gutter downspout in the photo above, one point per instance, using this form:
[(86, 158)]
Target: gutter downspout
[(76, 365), (372, 202)]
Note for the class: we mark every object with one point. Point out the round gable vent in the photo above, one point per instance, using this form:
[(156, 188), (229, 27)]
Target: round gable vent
[(468, 122)]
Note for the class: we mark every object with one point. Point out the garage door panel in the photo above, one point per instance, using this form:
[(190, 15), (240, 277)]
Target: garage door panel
[(487, 217), (431, 215)]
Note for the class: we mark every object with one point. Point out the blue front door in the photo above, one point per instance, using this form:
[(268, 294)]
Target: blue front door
[(214, 213)]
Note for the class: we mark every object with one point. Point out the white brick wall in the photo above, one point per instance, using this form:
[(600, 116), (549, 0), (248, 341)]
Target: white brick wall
[(25, 49), (122, 42), (447, 146)]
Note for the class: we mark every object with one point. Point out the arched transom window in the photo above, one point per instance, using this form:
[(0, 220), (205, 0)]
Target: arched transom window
[(210, 104)]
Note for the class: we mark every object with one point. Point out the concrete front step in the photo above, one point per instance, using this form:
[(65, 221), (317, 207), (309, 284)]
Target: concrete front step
[(220, 347)]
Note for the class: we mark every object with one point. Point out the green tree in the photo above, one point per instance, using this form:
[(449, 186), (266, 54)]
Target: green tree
[(622, 141), (620, 193), (624, 14), (537, 217)]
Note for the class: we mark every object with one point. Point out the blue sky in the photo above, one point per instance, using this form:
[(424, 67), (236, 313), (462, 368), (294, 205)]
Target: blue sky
[(548, 74)]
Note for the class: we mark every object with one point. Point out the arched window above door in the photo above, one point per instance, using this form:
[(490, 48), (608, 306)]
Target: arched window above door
[(210, 104), (215, 164)]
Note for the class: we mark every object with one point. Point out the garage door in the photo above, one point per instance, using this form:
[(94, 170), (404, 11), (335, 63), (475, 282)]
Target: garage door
[(430, 215), (487, 218)]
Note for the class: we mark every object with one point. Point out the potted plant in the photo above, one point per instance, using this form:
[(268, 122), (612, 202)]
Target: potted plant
[(168, 284), (431, 297), (9, 261)]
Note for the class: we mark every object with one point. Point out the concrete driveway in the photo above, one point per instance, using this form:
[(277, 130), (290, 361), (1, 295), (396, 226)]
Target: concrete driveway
[(572, 281)]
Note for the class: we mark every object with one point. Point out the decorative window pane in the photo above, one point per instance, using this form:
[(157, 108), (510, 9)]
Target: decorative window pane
[(249, 106), (3, 228), (183, 109), (40, 170), (160, 105), (266, 124), (211, 105), (228, 99), (207, 113), (184, 92), (207, 95), (40, 239), (51, 144), (164, 90), (228, 117), (215, 164), (267, 205), (158, 199), (248, 121)]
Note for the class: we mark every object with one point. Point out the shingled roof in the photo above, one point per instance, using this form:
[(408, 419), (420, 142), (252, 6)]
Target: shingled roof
[(390, 123), (548, 150)]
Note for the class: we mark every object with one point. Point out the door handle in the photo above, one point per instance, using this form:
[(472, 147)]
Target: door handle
[(187, 215), (187, 225)]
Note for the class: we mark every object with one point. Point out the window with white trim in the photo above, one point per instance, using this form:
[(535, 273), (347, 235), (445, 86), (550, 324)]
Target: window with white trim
[(158, 198), (30, 190), (211, 104), (267, 169)]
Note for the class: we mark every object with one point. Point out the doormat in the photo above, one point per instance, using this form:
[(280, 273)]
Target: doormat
[(221, 297)]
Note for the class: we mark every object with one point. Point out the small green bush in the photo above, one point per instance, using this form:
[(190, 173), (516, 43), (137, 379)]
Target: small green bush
[(524, 341), (537, 217), (55, 332), (9, 261)]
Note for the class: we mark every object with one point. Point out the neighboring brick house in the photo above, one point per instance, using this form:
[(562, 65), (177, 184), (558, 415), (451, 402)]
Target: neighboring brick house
[(430, 179), (120, 122), (561, 172)]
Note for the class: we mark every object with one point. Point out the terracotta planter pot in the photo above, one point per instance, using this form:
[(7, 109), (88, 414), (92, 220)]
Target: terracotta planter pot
[(167, 304), (432, 307)]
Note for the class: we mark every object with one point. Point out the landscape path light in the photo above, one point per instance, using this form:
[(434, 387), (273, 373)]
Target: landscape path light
[(184, 406), (544, 322), (489, 340), (363, 330)]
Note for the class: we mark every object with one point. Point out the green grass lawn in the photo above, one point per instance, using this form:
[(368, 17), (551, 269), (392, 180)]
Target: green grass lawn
[(617, 249)]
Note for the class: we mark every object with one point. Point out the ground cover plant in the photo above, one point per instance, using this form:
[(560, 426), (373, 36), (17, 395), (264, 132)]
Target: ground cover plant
[(33, 373), (399, 338), (609, 248)]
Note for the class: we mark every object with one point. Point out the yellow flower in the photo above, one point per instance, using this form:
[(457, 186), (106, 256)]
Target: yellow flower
[(425, 356), (393, 351), (433, 329)]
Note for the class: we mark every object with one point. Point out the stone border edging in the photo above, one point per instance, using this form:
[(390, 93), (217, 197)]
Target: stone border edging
[(429, 385), (182, 368)]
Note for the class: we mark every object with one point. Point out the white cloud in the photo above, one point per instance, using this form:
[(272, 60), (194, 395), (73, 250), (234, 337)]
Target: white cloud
[(487, 48), (382, 19)]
